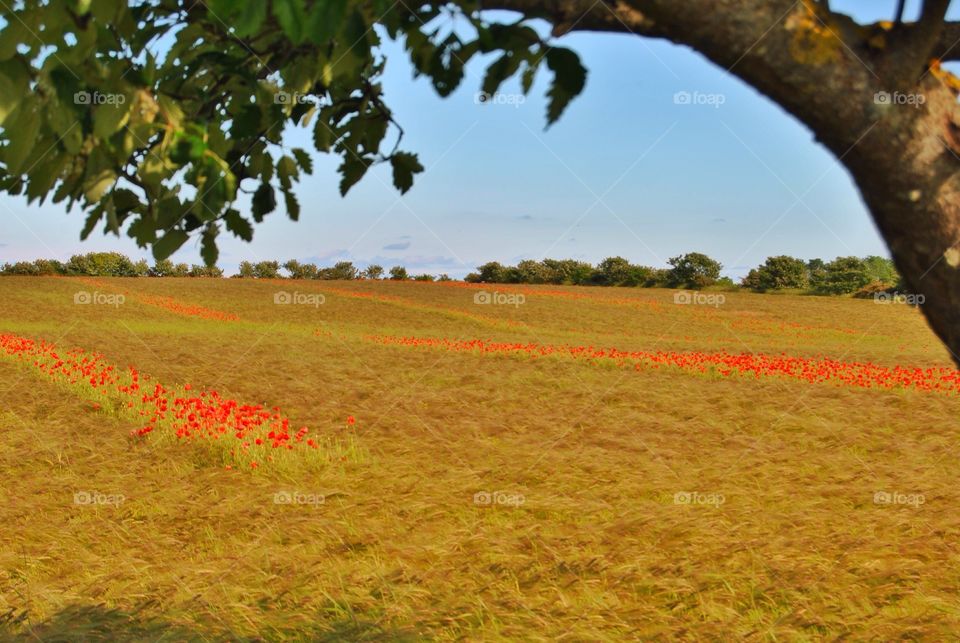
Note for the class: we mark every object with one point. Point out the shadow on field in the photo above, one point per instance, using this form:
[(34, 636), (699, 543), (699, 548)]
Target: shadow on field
[(100, 623)]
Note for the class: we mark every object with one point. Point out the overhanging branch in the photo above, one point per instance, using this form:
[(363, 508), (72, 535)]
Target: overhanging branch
[(948, 46), (582, 15)]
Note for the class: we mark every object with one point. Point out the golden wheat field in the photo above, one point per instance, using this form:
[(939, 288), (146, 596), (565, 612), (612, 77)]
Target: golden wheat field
[(205, 459)]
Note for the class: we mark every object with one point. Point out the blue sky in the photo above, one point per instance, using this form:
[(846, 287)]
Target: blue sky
[(626, 171)]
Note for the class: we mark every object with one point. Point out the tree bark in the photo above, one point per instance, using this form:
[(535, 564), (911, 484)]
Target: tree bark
[(907, 175), (843, 81)]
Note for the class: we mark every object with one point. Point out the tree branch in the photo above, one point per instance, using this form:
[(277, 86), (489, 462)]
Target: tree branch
[(916, 45), (901, 4), (582, 15), (948, 45)]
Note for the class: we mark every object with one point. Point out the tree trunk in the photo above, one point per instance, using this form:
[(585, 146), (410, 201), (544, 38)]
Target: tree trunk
[(908, 176), (923, 237)]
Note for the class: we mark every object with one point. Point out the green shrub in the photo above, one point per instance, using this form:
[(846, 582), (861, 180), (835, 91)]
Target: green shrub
[(842, 276), (693, 270), (777, 273)]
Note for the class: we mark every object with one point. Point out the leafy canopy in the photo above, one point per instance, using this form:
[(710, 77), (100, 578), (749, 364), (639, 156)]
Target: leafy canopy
[(153, 115)]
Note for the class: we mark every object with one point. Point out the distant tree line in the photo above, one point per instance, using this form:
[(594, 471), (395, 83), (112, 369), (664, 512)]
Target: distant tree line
[(342, 270), (695, 270), (843, 275), (115, 264), (692, 270), (107, 264)]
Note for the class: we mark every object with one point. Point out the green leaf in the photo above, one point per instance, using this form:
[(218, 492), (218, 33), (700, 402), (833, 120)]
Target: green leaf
[(499, 71), (292, 17), (251, 18), (125, 200), (323, 136), (303, 160), (324, 20), (405, 165), (113, 224), (264, 202), (445, 65), (352, 170), (169, 211), (287, 172), (247, 121), (96, 185), (293, 206), (169, 243), (105, 11), (63, 120), (239, 226), (109, 118), (189, 147), (14, 81), (208, 245), (529, 75), (45, 173), (143, 230), (91, 223), (357, 35), (570, 76), (14, 33), (22, 131)]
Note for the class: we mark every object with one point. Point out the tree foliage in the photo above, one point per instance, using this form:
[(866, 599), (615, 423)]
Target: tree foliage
[(373, 272), (778, 273), (693, 270), (841, 276), (155, 116)]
